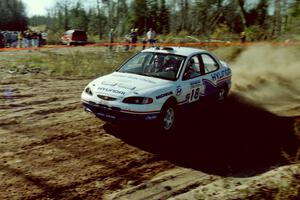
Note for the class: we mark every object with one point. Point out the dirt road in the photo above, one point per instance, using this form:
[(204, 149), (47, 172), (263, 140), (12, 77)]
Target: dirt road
[(51, 149)]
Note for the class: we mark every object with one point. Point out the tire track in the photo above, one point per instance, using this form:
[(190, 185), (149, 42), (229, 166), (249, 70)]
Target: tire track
[(57, 151)]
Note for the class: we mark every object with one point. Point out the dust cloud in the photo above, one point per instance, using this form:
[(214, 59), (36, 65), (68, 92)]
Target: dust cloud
[(269, 76)]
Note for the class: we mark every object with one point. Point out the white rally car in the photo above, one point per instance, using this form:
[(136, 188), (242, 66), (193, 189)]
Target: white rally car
[(156, 83)]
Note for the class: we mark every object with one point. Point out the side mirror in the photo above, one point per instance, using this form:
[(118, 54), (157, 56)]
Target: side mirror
[(187, 75), (224, 64)]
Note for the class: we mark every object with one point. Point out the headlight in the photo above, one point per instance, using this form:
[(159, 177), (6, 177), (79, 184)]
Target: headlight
[(88, 91), (138, 100)]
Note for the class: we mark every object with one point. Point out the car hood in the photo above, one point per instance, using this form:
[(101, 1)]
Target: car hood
[(119, 84)]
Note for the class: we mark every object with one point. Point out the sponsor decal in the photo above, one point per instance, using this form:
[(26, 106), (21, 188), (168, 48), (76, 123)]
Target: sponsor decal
[(221, 74), (194, 95), (150, 117), (209, 83), (102, 89), (135, 78), (164, 95), (187, 97), (195, 83), (106, 115), (178, 90)]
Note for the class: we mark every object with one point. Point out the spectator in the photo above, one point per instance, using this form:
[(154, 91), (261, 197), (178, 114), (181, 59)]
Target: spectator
[(5, 36), (151, 37), (35, 39), (127, 41), (40, 39), (27, 38), (111, 38), (20, 39), (243, 37), (1, 40), (134, 37), (14, 38), (8, 38), (44, 38), (144, 41)]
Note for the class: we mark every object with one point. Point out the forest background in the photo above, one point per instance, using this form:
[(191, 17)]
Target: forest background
[(173, 20)]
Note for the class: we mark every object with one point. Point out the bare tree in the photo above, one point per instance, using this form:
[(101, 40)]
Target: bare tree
[(184, 6), (243, 12), (99, 19), (277, 19), (284, 12)]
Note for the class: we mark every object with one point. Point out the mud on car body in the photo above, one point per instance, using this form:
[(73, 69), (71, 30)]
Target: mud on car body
[(156, 83)]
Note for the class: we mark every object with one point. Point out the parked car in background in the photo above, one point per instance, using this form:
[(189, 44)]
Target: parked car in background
[(74, 37), (156, 83)]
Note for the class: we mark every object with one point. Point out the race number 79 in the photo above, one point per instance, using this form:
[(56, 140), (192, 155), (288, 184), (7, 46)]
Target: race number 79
[(194, 95)]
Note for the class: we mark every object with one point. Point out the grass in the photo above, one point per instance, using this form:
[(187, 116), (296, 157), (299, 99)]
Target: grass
[(71, 61), (82, 64), (84, 61)]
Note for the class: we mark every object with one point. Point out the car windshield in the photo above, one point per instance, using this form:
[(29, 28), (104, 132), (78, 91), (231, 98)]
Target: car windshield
[(165, 66)]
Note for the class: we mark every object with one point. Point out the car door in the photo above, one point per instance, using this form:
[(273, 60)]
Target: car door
[(192, 85), (210, 74)]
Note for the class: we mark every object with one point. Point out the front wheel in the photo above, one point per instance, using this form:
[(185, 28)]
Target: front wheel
[(167, 117)]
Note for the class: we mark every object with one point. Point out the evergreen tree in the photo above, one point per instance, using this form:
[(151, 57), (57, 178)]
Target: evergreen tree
[(78, 17), (294, 19), (138, 15), (153, 18), (198, 17), (40, 20), (122, 17), (164, 18), (13, 15), (184, 6)]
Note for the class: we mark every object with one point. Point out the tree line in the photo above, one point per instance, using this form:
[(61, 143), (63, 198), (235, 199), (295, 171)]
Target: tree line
[(13, 16), (261, 19)]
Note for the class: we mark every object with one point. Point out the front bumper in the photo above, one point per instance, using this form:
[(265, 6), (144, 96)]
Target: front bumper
[(114, 114)]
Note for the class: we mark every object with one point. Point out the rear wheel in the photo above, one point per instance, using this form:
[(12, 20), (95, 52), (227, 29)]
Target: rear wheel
[(222, 93)]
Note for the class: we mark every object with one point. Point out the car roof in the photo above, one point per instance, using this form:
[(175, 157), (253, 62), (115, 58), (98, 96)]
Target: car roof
[(183, 51), (73, 30)]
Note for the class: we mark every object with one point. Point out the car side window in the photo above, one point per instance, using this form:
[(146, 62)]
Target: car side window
[(192, 69), (210, 64)]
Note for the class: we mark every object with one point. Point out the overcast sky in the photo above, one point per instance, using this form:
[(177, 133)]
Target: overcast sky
[(38, 7)]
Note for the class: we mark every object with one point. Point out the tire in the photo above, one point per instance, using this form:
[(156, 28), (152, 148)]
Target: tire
[(168, 117), (222, 93)]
